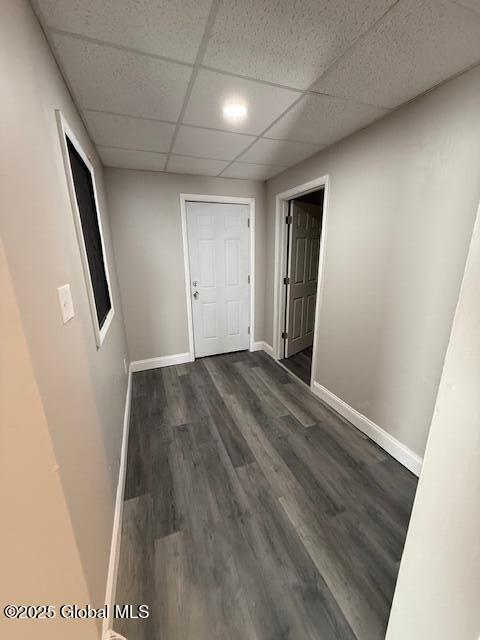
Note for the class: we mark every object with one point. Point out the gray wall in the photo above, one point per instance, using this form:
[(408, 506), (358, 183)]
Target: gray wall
[(147, 234), (437, 594), (36, 536), (403, 196), (82, 389)]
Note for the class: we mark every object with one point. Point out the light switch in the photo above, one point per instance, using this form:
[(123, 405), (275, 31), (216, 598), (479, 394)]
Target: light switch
[(66, 302)]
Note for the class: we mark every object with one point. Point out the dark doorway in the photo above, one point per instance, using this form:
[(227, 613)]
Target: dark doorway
[(301, 281)]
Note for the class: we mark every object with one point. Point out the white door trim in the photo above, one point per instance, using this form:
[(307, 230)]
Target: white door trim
[(191, 197), (281, 211)]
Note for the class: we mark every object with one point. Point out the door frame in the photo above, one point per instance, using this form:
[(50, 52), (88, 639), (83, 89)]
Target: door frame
[(279, 300), (193, 197)]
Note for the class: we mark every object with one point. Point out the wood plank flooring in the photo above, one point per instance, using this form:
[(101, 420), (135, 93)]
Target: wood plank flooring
[(253, 511), (300, 364)]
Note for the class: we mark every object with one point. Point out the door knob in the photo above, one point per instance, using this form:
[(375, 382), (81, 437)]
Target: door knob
[(195, 294)]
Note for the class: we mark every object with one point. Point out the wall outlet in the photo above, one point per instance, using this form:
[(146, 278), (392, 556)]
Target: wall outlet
[(66, 302), (125, 365)]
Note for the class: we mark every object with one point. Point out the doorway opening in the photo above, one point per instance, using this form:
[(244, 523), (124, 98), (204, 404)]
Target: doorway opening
[(299, 255), (304, 222)]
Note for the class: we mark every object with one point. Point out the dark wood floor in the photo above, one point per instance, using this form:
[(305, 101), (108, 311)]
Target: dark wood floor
[(253, 512), (300, 364)]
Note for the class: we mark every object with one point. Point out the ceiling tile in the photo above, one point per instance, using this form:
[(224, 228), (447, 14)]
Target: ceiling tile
[(279, 152), (212, 90), (133, 133), (419, 44), (195, 166), (323, 119), (108, 79), (474, 5), (248, 171), (163, 27), (206, 143), (130, 159), (290, 43)]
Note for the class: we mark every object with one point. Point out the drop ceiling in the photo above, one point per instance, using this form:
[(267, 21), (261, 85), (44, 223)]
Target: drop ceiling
[(150, 77)]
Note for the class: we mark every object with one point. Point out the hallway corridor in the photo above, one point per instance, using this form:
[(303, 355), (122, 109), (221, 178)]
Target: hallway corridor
[(254, 512)]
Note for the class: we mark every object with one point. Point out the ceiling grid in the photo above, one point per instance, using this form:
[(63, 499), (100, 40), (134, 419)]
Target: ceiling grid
[(150, 77)]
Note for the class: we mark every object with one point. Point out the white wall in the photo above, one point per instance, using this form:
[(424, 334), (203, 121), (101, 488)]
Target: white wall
[(82, 389), (438, 588), (403, 196), (147, 235)]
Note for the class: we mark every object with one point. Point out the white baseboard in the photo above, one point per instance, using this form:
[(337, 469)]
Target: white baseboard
[(162, 361), (263, 346), (117, 518), (394, 447), (181, 358)]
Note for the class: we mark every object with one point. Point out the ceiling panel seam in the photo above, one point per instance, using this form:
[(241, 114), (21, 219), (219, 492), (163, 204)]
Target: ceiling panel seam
[(347, 51), (183, 155), (198, 60), (119, 47), (141, 52), (197, 65), (460, 5), (63, 74)]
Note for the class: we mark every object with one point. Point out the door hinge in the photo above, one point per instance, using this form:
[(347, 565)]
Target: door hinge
[(288, 220), (249, 330), (248, 223), (284, 335), (248, 279), (286, 280)]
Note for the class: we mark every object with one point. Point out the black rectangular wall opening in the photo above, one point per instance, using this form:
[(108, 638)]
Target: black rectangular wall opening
[(85, 196)]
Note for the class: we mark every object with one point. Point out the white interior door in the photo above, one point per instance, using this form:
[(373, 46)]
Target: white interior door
[(219, 251), (303, 269)]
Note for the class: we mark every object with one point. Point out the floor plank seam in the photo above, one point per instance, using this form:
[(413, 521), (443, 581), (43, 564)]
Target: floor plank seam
[(253, 511)]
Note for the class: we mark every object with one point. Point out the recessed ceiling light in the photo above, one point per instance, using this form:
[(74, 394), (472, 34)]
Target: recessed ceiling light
[(235, 111)]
